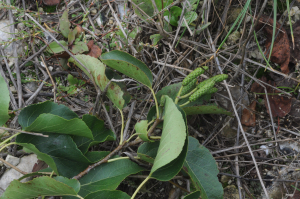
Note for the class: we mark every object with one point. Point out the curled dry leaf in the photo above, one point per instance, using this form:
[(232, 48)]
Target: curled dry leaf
[(94, 50), (280, 105), (248, 117), (51, 2), (281, 48)]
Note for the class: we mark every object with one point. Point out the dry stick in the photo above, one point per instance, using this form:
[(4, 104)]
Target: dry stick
[(125, 137), (12, 31), (35, 94), (237, 117), (25, 132), (8, 69), (33, 56), (12, 166), (54, 85)]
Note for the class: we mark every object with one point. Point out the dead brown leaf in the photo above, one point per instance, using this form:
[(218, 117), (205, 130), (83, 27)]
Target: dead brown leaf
[(94, 50), (281, 48), (248, 117), (51, 2), (280, 105)]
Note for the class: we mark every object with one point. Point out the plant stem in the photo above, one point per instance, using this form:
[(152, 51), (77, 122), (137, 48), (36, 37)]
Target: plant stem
[(78, 196), (155, 137), (9, 139), (115, 159), (156, 103), (178, 95), (140, 186), (122, 128), (7, 145), (150, 131), (184, 104), (131, 137), (190, 93)]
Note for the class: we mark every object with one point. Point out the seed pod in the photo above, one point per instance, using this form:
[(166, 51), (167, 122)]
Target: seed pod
[(211, 91), (193, 75), (188, 88), (219, 78), (201, 91), (201, 84)]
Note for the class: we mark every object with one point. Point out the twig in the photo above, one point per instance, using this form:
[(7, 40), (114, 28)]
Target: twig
[(12, 166), (129, 119), (25, 132), (53, 83)]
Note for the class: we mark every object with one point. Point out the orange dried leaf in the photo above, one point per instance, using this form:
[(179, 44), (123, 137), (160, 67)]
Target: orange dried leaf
[(248, 117)]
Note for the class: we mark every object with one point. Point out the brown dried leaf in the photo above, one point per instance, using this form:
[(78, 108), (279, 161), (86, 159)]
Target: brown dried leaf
[(39, 166), (94, 50), (51, 2), (281, 47), (280, 105), (248, 117)]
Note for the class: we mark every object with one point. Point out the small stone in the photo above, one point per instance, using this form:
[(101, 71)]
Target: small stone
[(13, 89), (88, 37), (32, 86), (233, 37), (12, 160), (225, 179), (50, 68), (179, 182), (93, 11), (72, 8), (41, 9), (231, 192), (110, 21), (21, 26)]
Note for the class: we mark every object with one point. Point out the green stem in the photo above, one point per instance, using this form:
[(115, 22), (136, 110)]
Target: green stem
[(184, 104), (140, 186), (190, 93), (115, 159), (78, 196), (131, 137), (7, 145), (178, 95), (155, 137), (156, 103), (122, 128), (9, 138)]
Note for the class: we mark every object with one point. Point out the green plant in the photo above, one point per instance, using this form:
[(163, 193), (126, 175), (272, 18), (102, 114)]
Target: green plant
[(96, 174)]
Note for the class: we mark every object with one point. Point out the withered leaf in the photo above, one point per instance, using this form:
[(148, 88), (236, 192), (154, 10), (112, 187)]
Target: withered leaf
[(94, 50), (51, 2), (248, 117), (281, 47), (280, 105)]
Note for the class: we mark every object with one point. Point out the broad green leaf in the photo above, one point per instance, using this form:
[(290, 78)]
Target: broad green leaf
[(100, 133), (30, 113), (194, 195), (95, 156), (155, 38), (203, 170), (189, 17), (116, 94), (72, 80), (71, 36), (147, 7), (4, 101), (58, 151), (173, 16), (70, 182), (173, 136), (108, 194), (147, 151), (205, 109), (128, 65), (79, 47), (54, 48), (42, 186), (49, 123), (107, 176), (64, 24), (141, 129)]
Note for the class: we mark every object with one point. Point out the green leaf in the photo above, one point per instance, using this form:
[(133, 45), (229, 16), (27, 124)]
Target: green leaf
[(64, 24), (58, 151), (70, 182), (108, 194), (107, 176), (4, 101), (128, 65), (30, 113), (71, 36), (79, 47), (100, 133), (173, 15), (205, 109), (72, 80), (147, 151), (42, 186), (141, 129), (203, 170), (54, 48), (147, 7), (189, 17), (194, 195), (155, 38), (173, 136), (95, 156), (116, 94)]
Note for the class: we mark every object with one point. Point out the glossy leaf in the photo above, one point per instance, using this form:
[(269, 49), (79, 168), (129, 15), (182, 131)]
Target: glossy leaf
[(141, 129), (42, 186), (4, 101), (147, 151), (64, 24), (173, 136), (70, 182), (79, 47), (128, 65), (194, 195), (118, 96), (107, 176), (108, 194), (203, 170), (100, 133), (54, 48), (58, 151)]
